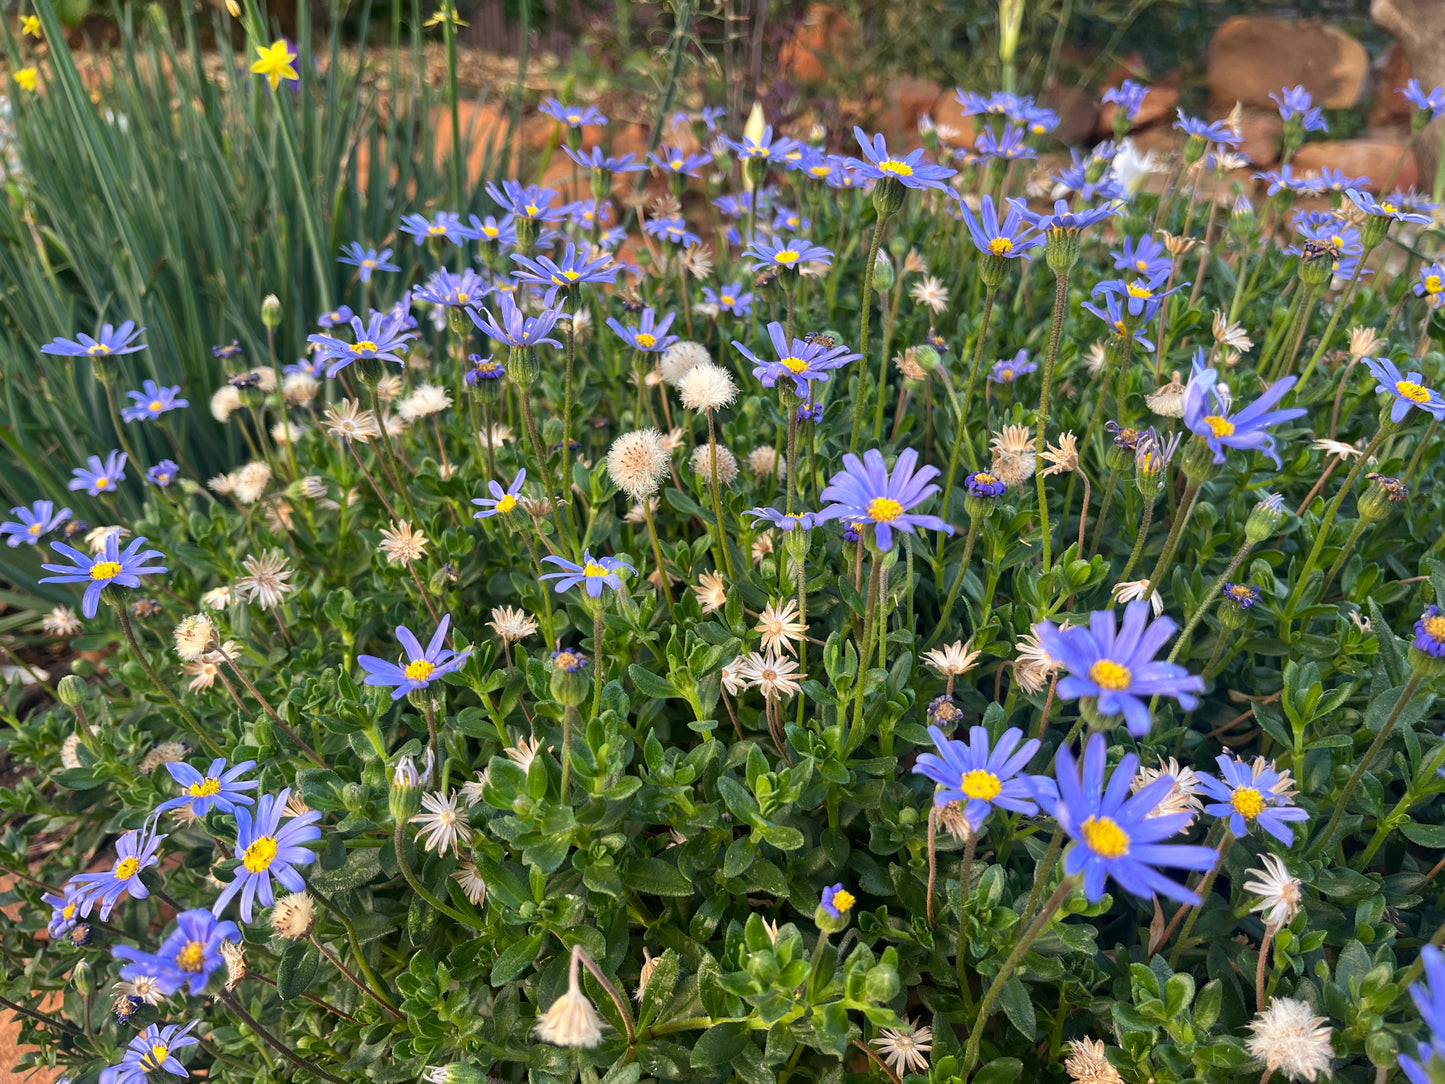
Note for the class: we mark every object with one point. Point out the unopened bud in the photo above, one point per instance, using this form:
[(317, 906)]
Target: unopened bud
[(271, 311), (71, 690), (1264, 519)]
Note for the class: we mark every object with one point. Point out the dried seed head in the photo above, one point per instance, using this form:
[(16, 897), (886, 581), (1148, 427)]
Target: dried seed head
[(637, 462)]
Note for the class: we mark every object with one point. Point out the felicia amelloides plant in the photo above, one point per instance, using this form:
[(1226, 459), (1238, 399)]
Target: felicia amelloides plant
[(615, 651)]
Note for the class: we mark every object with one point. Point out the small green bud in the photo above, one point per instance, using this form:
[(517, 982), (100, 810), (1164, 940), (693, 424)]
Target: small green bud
[(993, 270), (1383, 491), (404, 798), (71, 690), (881, 983), (570, 679), (1317, 262), (763, 967), (353, 797), (883, 274), (927, 358), (456, 1073), (1061, 249), (523, 365), (1373, 230), (1194, 149), (888, 195), (1264, 519), (1199, 465), (271, 311), (82, 979)]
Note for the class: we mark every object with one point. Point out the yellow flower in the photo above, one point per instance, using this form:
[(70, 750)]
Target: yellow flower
[(25, 77), (446, 14), (274, 62), (30, 24)]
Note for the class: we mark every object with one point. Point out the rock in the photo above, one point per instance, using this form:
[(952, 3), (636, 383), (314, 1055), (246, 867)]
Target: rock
[(909, 99), (823, 37), (1251, 57), (948, 115), (1419, 26), (1158, 105), (1261, 134), (1372, 158), (1387, 105)]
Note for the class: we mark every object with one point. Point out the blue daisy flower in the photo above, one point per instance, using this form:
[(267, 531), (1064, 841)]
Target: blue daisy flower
[(1144, 256), (1430, 634), (336, 317), (1113, 314), (672, 229), (802, 521), (384, 337), (421, 667), (151, 1051), (864, 491), (1012, 238), (1065, 221), (909, 170), (605, 163), (1429, 998), (446, 225), (266, 849), (134, 852), (453, 290), (801, 361), (163, 473), (1296, 104), (1117, 666), (37, 520), (1006, 371), (1116, 835), (595, 572), (97, 477), (152, 401), (789, 253), (186, 957), (679, 162), (516, 328), (112, 342), (837, 899), (1434, 104), (729, 298), (1245, 793), (1207, 414), (1389, 208), (575, 268), (1407, 389), (1217, 132), (531, 202), (980, 776), (1128, 96), (367, 261), (981, 483), (573, 116), (1008, 146), (227, 351), (64, 909), (650, 336), (502, 500), (491, 230), (111, 565), (765, 147), (218, 787)]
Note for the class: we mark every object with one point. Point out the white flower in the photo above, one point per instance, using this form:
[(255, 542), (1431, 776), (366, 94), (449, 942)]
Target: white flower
[(348, 421), (194, 636), (1183, 792), (780, 626), (427, 399), (1132, 168), (636, 463), (1034, 666), (930, 292), (251, 481), (217, 598), (955, 659), (735, 675), (300, 389), (1232, 335), (1089, 1065), (443, 825), (26, 675), (60, 621), (512, 624), (571, 1020), (775, 677), (473, 887), (96, 537), (1131, 590), (294, 916), (226, 401), (706, 387), (472, 788), (1278, 890), (287, 432), (1288, 1036), (703, 457), (523, 752), (681, 358), (711, 591), (265, 579), (905, 1051), (401, 544)]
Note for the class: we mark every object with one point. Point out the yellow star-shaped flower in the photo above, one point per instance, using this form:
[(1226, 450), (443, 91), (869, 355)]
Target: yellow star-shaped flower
[(25, 77), (30, 24), (446, 14), (274, 62)]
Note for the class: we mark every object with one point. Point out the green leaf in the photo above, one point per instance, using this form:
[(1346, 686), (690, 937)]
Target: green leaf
[(362, 866), (297, 970), (650, 684), (999, 1071), (516, 958), (654, 877), (660, 985), (719, 1044), (1018, 1007)]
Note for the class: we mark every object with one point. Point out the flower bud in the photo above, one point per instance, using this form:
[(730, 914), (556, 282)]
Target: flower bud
[(881, 983), (456, 1073), (883, 274), (353, 797), (570, 680), (1264, 519), (1199, 465), (71, 690), (1373, 230), (271, 311), (82, 979), (404, 798), (888, 193), (927, 358), (1383, 491), (1317, 262), (832, 913), (523, 365), (763, 967), (1061, 249)]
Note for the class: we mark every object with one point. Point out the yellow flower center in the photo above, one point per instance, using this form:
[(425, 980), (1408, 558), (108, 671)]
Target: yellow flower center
[(1108, 674), (566, 660), (1337, 241), (1104, 837), (68, 911), (155, 1057), (820, 171), (1218, 425), (793, 364), (787, 255), (1247, 802), (727, 299), (1388, 208), (463, 297), (532, 210), (368, 263), (645, 340), (105, 570), (1408, 389), (102, 482), (205, 788), (571, 275), (436, 231), (1433, 284), (418, 670), (843, 900), (1142, 265), (363, 346), (884, 509), (1000, 246), (257, 858), (506, 503), (98, 348), (491, 231), (1121, 327), (980, 784), (126, 868), (156, 406), (1007, 374), (1434, 626), (34, 529), (1240, 591), (192, 957), (675, 163), (1137, 289), (592, 570), (983, 477), (897, 168)]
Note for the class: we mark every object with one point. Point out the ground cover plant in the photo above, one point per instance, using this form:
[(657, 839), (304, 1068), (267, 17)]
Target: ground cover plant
[(789, 611)]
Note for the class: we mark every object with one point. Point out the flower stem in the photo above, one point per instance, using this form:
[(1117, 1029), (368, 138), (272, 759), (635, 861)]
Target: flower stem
[(201, 736), (657, 556), (1171, 544), (988, 299), (270, 1040), (1061, 297), (1046, 914), (1203, 893), (1209, 597), (865, 304), (350, 929), (957, 581), (399, 840), (353, 979), (1139, 539)]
